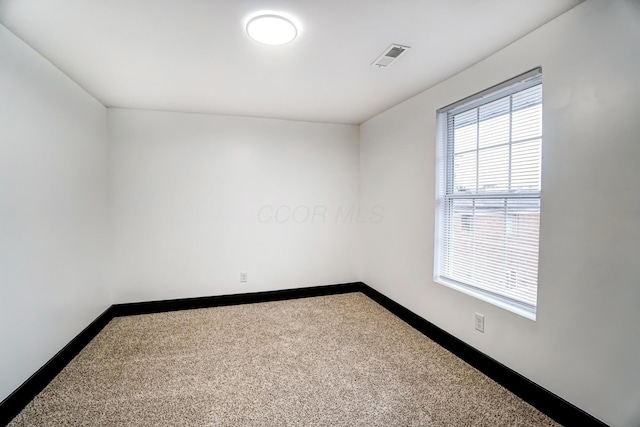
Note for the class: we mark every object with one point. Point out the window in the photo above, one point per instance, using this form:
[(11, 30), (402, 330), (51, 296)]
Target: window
[(489, 164), (466, 222)]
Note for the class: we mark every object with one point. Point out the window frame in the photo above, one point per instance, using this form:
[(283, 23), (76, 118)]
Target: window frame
[(444, 185)]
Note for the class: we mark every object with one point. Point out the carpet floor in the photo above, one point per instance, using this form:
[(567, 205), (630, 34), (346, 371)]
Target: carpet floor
[(339, 360)]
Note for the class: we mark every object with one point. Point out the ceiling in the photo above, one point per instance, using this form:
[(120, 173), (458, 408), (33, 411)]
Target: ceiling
[(194, 55)]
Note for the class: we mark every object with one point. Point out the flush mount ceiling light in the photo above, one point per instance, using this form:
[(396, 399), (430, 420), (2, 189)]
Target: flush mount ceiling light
[(271, 29)]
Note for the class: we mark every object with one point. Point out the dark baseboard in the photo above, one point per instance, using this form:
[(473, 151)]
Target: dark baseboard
[(545, 401), (16, 401), (555, 407), (148, 307)]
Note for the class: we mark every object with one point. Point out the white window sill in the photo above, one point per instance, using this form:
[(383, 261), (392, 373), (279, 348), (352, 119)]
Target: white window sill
[(489, 298)]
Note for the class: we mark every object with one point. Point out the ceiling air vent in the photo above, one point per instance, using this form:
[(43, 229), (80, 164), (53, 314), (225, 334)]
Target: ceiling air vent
[(390, 55)]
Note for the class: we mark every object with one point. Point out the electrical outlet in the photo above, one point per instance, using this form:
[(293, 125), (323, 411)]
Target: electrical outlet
[(479, 324), (243, 277)]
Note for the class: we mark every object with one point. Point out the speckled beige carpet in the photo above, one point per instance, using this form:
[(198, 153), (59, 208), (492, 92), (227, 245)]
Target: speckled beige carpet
[(329, 361)]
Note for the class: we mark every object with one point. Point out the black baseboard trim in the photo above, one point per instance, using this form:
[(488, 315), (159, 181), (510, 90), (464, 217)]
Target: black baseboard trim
[(16, 401), (552, 405), (545, 401), (131, 309)]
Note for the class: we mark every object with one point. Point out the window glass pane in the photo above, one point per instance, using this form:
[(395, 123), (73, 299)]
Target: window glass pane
[(494, 123), (527, 123), (461, 242), (522, 246), (465, 166), (526, 98), (525, 165), (494, 169), (465, 131)]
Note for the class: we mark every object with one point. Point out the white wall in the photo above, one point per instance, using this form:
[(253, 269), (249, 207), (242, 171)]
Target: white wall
[(584, 345), (188, 190), (53, 211)]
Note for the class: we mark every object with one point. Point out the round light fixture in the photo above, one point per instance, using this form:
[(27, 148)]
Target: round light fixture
[(271, 29)]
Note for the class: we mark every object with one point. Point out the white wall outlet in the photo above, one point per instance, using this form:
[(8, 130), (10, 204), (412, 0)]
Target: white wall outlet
[(479, 324), (243, 277)]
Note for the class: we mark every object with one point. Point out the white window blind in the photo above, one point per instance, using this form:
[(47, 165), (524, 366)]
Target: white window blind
[(489, 192)]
